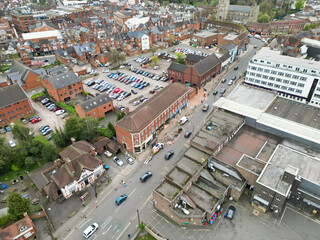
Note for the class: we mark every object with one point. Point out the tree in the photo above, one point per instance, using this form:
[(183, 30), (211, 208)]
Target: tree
[(155, 59), (105, 131), (34, 148), (300, 5), (48, 152), (90, 127), (73, 128), (265, 18), (170, 39), (120, 115), (116, 58), (180, 58), (153, 49), (17, 206), (21, 133), (29, 162), (111, 127), (5, 159), (306, 27), (60, 138)]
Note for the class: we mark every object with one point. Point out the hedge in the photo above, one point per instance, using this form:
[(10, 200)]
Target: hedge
[(69, 108), (34, 96)]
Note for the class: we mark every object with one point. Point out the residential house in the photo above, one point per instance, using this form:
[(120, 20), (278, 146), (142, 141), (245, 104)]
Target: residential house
[(14, 104), (64, 86), (96, 107)]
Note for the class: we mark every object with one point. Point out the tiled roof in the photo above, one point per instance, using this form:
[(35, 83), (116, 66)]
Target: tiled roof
[(11, 94), (14, 229), (194, 58), (178, 67), (95, 102), (63, 80), (146, 112), (207, 64)]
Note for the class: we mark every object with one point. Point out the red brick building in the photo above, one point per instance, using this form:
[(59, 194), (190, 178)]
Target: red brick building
[(196, 75), (14, 104), (140, 127), (121, 17), (25, 76), (22, 22), (96, 107), (63, 86), (21, 230)]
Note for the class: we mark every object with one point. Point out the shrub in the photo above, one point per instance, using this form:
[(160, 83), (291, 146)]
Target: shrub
[(5, 221), (34, 96), (101, 118), (69, 108)]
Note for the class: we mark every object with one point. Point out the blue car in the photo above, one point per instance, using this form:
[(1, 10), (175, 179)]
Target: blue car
[(137, 85), (106, 167), (141, 87), (121, 199), (111, 75), (3, 186)]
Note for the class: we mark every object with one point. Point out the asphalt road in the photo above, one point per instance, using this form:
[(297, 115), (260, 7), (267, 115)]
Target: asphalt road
[(112, 219)]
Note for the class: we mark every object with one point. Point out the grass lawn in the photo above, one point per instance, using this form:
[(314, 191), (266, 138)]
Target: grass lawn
[(42, 139), (145, 237)]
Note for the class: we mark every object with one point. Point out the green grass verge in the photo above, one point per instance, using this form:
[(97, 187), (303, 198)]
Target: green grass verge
[(34, 96), (5, 68), (69, 108), (42, 139), (145, 237)]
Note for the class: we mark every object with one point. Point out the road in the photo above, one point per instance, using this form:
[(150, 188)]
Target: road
[(112, 219)]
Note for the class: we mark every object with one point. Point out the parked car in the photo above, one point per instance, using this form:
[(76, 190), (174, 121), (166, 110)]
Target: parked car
[(89, 231), (135, 103), (222, 90), (233, 78), (129, 160), (169, 154), (12, 144), (230, 213), (223, 80), (146, 176), (59, 112), (118, 161), (23, 120), (215, 92), (43, 127), (35, 120), (236, 68), (121, 199), (7, 128)]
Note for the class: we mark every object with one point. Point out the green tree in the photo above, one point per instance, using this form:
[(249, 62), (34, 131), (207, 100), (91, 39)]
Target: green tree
[(155, 59), (90, 127), (306, 27), (265, 18), (29, 162), (111, 127), (34, 148), (60, 138), (105, 131), (180, 58), (300, 5), (153, 49), (5, 159), (116, 58), (73, 128), (21, 133), (48, 152), (120, 115), (170, 39), (17, 206)]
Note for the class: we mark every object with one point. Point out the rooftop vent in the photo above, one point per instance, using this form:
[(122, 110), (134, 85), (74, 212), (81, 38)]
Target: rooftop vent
[(296, 114), (94, 103), (275, 108), (23, 228)]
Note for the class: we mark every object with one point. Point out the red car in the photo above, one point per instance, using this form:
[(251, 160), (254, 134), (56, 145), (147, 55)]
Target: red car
[(35, 120), (56, 109)]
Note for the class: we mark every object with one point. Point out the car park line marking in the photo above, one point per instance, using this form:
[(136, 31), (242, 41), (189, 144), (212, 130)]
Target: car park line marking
[(114, 236), (95, 236), (132, 192), (115, 227), (106, 230), (85, 222), (300, 214), (104, 224)]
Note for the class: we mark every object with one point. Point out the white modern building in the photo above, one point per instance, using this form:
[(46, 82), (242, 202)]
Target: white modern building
[(294, 78)]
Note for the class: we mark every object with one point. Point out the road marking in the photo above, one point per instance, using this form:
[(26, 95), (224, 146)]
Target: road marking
[(115, 227), (132, 192), (302, 215), (106, 230), (113, 236), (124, 230), (85, 223), (104, 224), (118, 208)]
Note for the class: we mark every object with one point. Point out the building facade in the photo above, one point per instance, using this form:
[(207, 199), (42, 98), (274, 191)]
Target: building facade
[(140, 128), (96, 107), (293, 78), (14, 104), (64, 86)]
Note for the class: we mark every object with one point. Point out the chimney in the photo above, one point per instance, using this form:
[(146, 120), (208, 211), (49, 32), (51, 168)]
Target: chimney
[(93, 151), (58, 163), (70, 165), (73, 140)]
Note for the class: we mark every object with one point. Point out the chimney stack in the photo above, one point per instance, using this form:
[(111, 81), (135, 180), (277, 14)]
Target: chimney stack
[(69, 164), (93, 151), (73, 140)]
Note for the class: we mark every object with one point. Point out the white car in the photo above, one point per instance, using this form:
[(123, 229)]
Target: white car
[(59, 112), (169, 60), (156, 67), (105, 70), (136, 103), (118, 161), (12, 144), (121, 67), (89, 231)]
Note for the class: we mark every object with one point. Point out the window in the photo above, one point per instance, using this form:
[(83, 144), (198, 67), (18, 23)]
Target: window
[(253, 68), (264, 82), (69, 87), (257, 81), (291, 89), (277, 85), (278, 80), (264, 192), (270, 195), (280, 73), (270, 84), (284, 87), (303, 78), (298, 91), (278, 199), (290, 67), (258, 75), (305, 70), (260, 69), (271, 78), (79, 88), (293, 83), (267, 71), (277, 65), (268, 62), (300, 85), (285, 81), (295, 76), (288, 75), (261, 61)]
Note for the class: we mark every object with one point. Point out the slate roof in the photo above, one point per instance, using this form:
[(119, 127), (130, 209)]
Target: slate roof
[(19, 72), (239, 8), (63, 80), (95, 102), (194, 58), (146, 112), (11, 94), (178, 67), (138, 34), (207, 64)]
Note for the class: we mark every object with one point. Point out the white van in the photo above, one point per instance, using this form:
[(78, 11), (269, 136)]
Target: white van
[(89, 231)]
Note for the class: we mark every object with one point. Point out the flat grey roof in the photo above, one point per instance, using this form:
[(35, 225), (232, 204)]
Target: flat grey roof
[(188, 165), (266, 53), (252, 97), (205, 34), (251, 164), (167, 190), (196, 155), (296, 112), (309, 168), (201, 197), (178, 176)]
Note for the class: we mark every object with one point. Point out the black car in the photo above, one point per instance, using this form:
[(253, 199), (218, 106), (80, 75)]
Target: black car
[(236, 68), (215, 92), (146, 176), (230, 213), (233, 78), (169, 155), (134, 91), (91, 83), (187, 134)]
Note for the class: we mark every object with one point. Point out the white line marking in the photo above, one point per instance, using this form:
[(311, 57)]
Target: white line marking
[(132, 192), (124, 230), (85, 223), (118, 208), (106, 230), (104, 224), (115, 227), (113, 236), (303, 215)]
